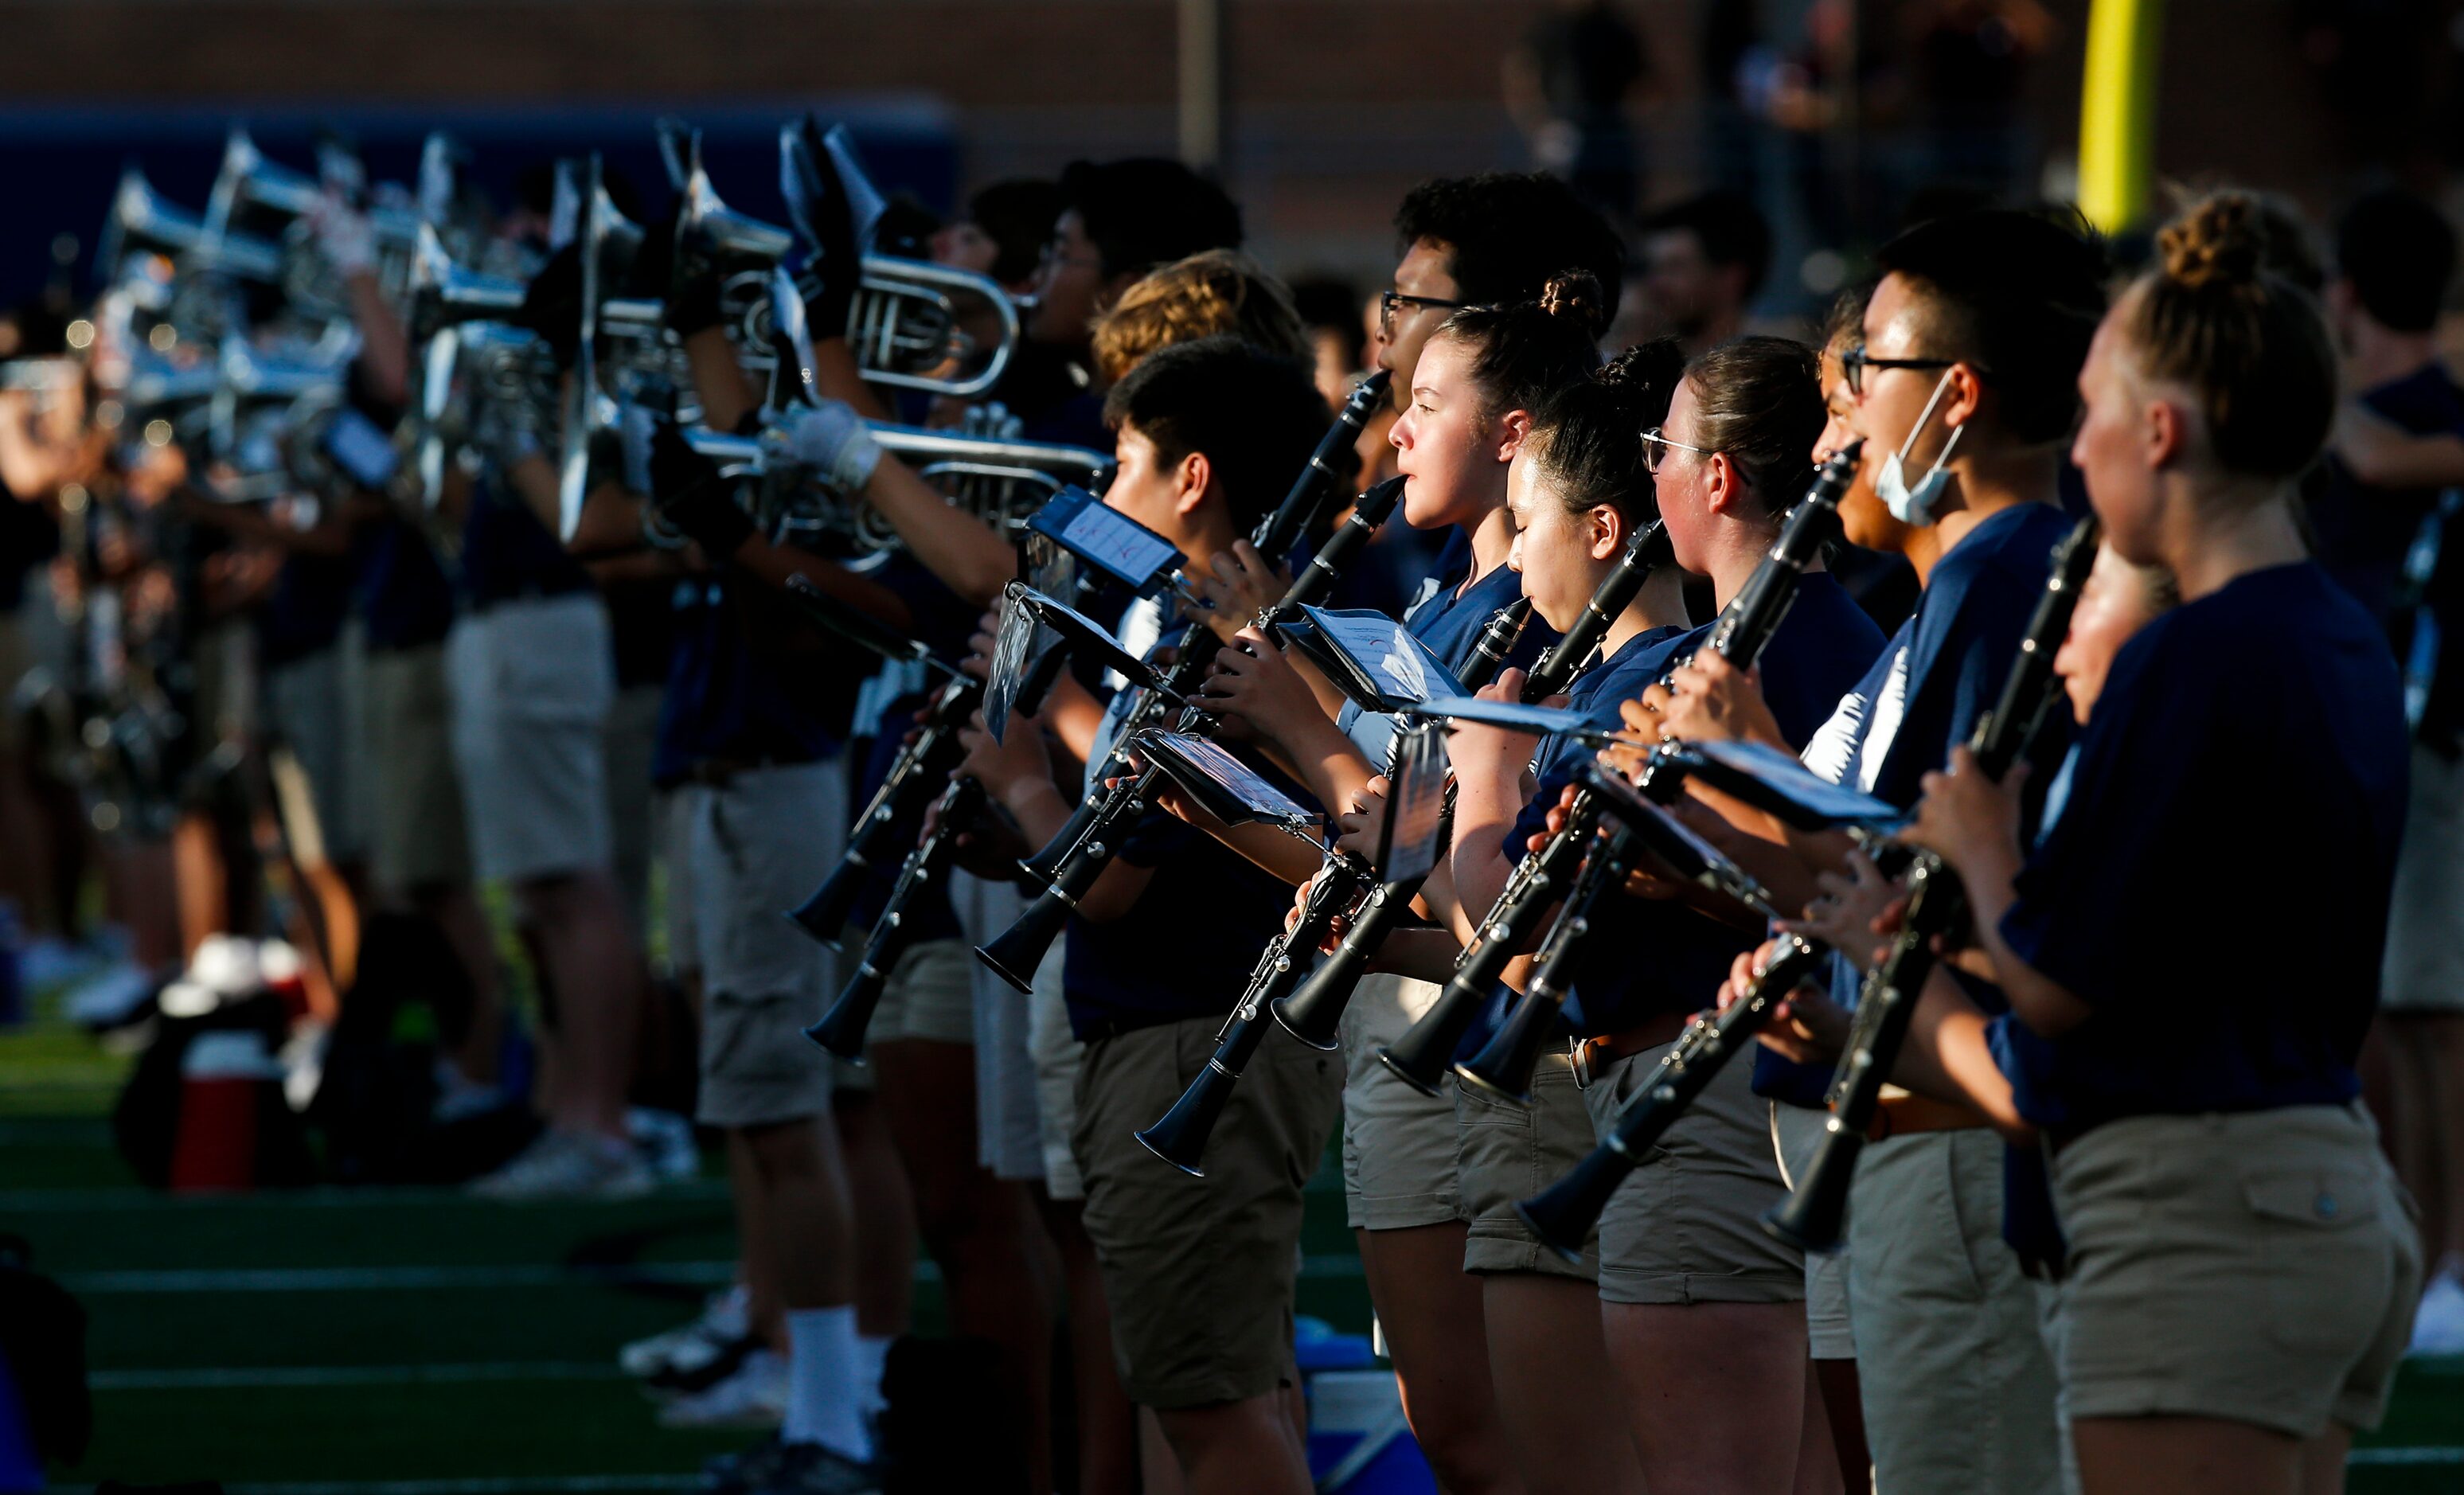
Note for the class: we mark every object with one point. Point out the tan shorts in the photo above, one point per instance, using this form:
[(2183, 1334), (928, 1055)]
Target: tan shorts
[(317, 704), (1795, 1132), (417, 837), (1058, 1058), (1959, 1390), (1199, 1272), (2425, 948), (1009, 1139), (1684, 1227), (1399, 1145), (1505, 1153), (533, 683), (931, 996), (740, 855), (2260, 1267)]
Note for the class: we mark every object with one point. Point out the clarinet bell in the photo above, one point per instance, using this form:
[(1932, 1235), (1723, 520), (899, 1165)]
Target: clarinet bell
[(1014, 954), (1421, 1056), (842, 1029), (1504, 1067), (1810, 1219), (825, 914), (1314, 1013), (1179, 1138), (1564, 1214), (1046, 865)]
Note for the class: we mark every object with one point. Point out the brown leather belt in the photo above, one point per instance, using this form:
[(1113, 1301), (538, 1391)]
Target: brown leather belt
[(1594, 1055), (1902, 1115)]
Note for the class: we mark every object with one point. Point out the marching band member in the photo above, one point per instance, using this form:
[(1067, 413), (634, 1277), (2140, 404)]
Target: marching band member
[(2242, 1266)]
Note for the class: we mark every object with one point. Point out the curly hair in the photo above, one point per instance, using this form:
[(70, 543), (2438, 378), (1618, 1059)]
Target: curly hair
[(1216, 291)]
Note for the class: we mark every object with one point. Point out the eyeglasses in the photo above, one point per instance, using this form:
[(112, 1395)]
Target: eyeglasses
[(1854, 362), (1388, 301), (1655, 447), (1056, 254)]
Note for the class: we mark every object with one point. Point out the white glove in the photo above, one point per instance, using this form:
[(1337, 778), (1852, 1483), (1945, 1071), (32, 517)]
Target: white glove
[(831, 439), (343, 236)]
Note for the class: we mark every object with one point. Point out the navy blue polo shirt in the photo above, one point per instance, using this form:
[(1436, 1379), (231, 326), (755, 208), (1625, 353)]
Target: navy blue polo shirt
[(744, 686), (403, 594), (1666, 957), (1941, 672), (507, 554), (2216, 888)]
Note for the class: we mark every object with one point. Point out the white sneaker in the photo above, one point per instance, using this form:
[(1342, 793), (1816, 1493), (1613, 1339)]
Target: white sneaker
[(564, 1166), (689, 1346), (666, 1142), (756, 1396), (2439, 1324)]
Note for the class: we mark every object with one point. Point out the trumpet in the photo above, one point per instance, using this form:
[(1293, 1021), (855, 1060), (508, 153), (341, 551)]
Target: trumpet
[(913, 324)]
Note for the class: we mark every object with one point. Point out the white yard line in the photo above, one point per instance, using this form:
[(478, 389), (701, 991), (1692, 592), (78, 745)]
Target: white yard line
[(239, 1378)]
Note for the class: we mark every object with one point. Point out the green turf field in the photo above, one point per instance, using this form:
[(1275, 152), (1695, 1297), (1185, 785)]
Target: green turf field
[(416, 1343)]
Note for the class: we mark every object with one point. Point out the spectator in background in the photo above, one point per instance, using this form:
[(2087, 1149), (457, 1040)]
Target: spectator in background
[(2395, 256), (1566, 85), (1002, 232), (1704, 260), (1338, 335)]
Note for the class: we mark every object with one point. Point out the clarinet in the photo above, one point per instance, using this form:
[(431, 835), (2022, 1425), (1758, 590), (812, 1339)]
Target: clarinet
[(842, 1029), (919, 765), (1195, 650), (1313, 1013), (1810, 1219), (1421, 1057), (1014, 954), (1563, 1215), (1341, 882), (1180, 1137)]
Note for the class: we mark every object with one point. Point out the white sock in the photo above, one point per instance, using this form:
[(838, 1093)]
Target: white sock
[(871, 1361), (824, 1389)]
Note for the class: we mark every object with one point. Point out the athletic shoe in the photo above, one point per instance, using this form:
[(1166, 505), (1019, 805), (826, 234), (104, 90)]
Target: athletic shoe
[(563, 1166), (811, 1469), (688, 1345), (756, 1396), (666, 1142), (116, 995), (2439, 1324)]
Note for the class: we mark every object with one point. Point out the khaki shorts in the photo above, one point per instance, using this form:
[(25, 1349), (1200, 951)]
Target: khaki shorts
[(1057, 1057), (1199, 1272), (1795, 1134), (1505, 1153), (740, 854), (1009, 1137), (931, 996), (2260, 1267), (417, 838), (2425, 947), (316, 705), (1959, 1390), (630, 734), (533, 683), (1399, 1145), (1683, 1228)]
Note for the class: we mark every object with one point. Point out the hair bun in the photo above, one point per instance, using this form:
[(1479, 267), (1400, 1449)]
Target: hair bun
[(1656, 364), (1575, 293), (2218, 241)]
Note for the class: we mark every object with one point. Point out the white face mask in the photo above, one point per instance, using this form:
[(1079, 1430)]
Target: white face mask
[(1916, 505)]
